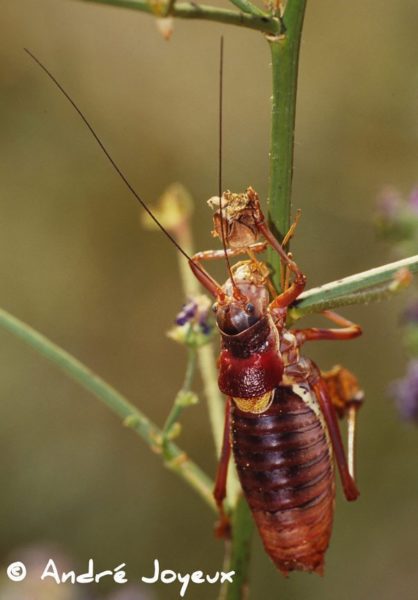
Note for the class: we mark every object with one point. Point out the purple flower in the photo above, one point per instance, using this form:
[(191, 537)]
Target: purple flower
[(405, 392), (194, 322), (187, 313)]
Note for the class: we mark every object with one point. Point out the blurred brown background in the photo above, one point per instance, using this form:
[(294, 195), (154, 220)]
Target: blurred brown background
[(76, 264)]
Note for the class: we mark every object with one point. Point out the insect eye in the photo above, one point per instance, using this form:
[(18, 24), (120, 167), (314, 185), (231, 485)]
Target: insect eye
[(250, 308), (215, 307)]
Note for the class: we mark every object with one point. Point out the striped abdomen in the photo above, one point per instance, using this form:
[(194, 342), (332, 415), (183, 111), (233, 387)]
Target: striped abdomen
[(285, 467)]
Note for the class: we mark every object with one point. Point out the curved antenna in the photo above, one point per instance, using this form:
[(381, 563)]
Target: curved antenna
[(109, 157), (221, 208)]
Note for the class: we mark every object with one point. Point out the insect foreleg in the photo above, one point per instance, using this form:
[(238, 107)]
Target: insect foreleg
[(291, 294)]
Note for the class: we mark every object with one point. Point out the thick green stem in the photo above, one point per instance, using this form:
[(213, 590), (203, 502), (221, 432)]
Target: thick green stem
[(238, 557), (176, 459), (284, 62), (191, 10)]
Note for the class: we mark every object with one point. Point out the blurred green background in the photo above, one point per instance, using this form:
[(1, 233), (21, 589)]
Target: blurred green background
[(76, 264)]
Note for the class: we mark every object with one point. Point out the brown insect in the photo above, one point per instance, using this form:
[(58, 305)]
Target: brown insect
[(280, 417), (281, 411)]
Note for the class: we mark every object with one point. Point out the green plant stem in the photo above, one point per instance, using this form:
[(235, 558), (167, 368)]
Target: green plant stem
[(249, 7), (375, 284), (178, 461), (190, 10), (284, 62), (215, 401), (184, 398), (238, 557)]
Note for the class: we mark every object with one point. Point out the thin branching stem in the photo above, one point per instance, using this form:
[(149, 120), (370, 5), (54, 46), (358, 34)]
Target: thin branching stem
[(184, 398), (248, 7), (177, 460), (192, 10)]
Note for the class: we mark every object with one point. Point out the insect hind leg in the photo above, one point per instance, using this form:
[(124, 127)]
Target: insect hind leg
[(328, 410), (347, 398)]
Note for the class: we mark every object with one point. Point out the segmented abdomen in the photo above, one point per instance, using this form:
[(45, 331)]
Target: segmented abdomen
[(285, 466)]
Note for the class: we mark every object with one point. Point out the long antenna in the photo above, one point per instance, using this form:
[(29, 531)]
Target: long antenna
[(221, 83), (220, 191), (107, 153)]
